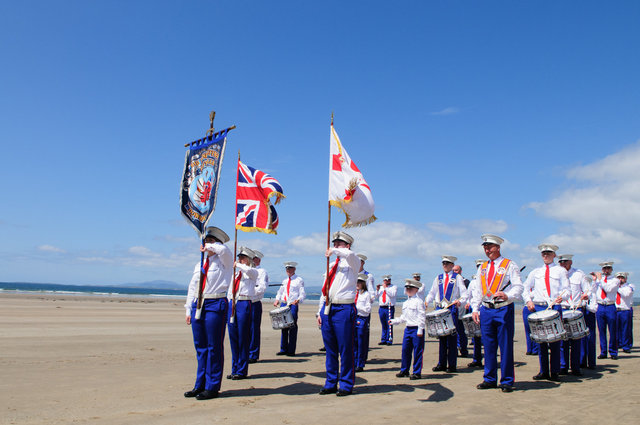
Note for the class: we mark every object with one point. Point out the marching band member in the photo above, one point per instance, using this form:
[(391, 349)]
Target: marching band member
[(290, 293), (477, 341), (589, 343), (497, 286), (446, 290), (606, 290), (338, 318), (363, 308), (243, 289), (370, 281), (461, 337), (387, 309), (208, 330), (256, 307), (624, 301), (421, 291), (413, 314), (544, 287), (579, 289), (533, 349)]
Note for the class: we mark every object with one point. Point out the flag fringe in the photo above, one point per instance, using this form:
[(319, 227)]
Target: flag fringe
[(257, 229), (346, 224)]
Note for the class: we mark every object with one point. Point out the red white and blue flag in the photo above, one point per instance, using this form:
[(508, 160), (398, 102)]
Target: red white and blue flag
[(254, 189)]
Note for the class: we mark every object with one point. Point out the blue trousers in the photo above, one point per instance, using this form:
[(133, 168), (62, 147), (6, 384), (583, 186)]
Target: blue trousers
[(387, 331), (361, 346), (461, 335), (606, 317), (240, 337), (571, 351), (256, 322), (208, 339), (589, 342), (448, 345), (477, 349), (624, 329), (338, 331), (412, 344), (289, 337), (549, 366), (532, 346), (498, 327)]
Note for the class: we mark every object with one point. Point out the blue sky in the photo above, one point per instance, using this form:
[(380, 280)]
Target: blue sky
[(514, 117)]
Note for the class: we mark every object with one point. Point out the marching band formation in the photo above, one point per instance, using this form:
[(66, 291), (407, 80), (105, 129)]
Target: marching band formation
[(562, 306)]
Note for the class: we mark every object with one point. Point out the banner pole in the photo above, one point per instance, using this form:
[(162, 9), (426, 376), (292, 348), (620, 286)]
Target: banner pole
[(235, 245)]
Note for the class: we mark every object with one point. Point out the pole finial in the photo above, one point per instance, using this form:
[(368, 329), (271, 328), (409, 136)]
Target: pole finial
[(212, 116), (331, 118)]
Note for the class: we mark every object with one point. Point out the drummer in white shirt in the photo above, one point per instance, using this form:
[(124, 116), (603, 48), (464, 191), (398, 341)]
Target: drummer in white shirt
[(291, 293), (386, 309), (413, 314), (447, 290), (606, 317), (624, 302), (363, 308), (579, 290), (547, 286)]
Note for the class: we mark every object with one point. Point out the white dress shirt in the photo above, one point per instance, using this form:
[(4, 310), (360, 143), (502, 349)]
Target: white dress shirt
[(261, 284), (609, 286), (535, 288), (579, 285), (218, 276), (343, 287), (626, 296), (247, 286), (413, 314), (458, 292), (511, 284), (363, 303), (371, 289), (296, 290), (390, 297)]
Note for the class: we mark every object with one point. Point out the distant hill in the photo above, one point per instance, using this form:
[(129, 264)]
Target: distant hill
[(157, 284)]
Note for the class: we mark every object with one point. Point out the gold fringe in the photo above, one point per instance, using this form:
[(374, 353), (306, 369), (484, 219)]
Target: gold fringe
[(257, 229), (346, 224)]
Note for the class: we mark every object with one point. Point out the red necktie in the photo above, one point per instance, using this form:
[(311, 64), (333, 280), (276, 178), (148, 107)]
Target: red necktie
[(603, 295), (286, 297), (236, 284), (546, 280), (491, 273), (357, 293), (384, 296), (203, 275), (446, 283), (618, 298)]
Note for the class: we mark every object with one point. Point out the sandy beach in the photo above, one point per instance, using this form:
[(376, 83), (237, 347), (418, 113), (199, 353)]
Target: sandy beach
[(103, 360)]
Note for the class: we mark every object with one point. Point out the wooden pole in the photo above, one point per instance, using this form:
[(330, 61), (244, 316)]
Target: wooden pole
[(235, 246)]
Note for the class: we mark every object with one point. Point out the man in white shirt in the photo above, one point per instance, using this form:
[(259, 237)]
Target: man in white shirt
[(338, 318), (606, 316), (256, 307), (545, 286), (386, 309), (624, 302), (462, 334), (291, 293)]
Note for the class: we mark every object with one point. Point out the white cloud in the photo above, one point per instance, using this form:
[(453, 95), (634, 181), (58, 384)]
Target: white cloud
[(51, 248), (451, 110)]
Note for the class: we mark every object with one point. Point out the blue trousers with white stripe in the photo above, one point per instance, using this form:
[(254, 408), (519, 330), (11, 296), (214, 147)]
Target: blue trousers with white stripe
[(208, 339), (256, 322), (532, 346), (289, 337), (607, 318), (624, 329), (589, 342), (239, 338), (448, 345), (412, 344), (498, 328), (385, 315), (549, 363), (361, 347), (571, 351), (338, 331)]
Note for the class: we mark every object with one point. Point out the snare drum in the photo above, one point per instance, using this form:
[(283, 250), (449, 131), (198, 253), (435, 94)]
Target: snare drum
[(440, 323), (470, 327), (281, 318), (546, 326), (574, 324)]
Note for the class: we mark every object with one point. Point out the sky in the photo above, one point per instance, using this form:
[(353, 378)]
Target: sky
[(518, 118)]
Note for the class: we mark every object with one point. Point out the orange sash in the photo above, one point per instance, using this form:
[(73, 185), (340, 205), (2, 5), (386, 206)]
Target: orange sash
[(496, 283)]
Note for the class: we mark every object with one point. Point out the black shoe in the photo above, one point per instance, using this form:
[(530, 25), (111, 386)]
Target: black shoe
[(253, 361), (475, 364), (506, 388), (382, 343), (583, 365), (452, 370), (291, 354), (614, 357), (229, 376), (207, 395), (438, 368), (564, 371), (281, 353), (575, 373), (591, 367), (465, 355), (602, 356), (626, 351), (402, 374), (415, 376), (322, 349), (541, 376), (389, 343), (343, 393), (239, 377), (359, 369), (194, 392), (554, 377), (484, 385), (528, 353), (326, 391)]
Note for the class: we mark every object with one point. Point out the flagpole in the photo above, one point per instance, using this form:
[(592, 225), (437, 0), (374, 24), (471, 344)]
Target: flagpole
[(328, 224), (235, 246), (203, 277)]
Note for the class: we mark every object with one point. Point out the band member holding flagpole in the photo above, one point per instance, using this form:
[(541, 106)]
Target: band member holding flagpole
[(209, 329), (498, 285)]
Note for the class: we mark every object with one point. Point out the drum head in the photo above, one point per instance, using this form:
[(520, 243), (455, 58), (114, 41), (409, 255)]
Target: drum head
[(468, 316), (571, 315), (541, 316)]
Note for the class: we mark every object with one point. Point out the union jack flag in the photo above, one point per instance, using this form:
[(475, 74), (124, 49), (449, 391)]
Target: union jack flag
[(254, 211)]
